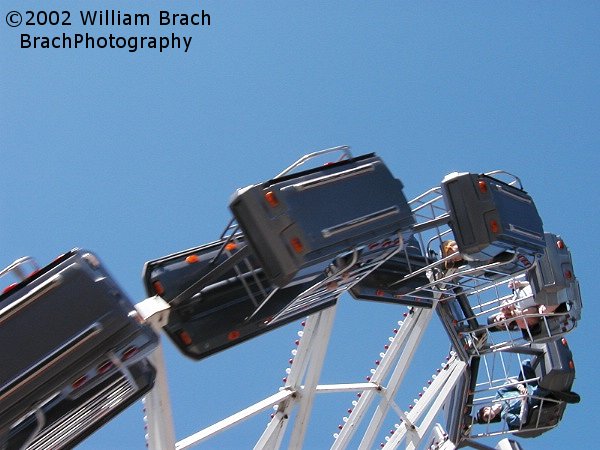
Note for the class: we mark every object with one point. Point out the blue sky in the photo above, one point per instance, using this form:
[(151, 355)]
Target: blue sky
[(135, 155)]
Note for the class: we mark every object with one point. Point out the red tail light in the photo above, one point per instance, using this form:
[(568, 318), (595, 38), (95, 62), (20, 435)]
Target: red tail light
[(233, 335), (33, 274), (59, 257), (568, 274), (560, 244), (129, 352), (79, 382), (104, 367), (9, 288)]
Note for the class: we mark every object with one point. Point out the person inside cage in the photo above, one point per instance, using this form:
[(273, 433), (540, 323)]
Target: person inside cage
[(522, 308), (503, 261), (455, 260), (450, 250), (514, 400)]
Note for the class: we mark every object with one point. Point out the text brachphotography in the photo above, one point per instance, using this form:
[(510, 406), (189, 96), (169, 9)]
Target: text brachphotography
[(89, 41)]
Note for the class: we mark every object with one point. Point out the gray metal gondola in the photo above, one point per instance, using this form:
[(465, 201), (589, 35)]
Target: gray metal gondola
[(489, 216), (300, 219), (68, 417), (63, 319)]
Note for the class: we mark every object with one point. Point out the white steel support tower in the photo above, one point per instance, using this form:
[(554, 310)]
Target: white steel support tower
[(301, 386), (465, 295)]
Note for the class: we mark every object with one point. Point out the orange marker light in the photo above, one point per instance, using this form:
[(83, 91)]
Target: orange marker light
[(271, 199), (231, 246), (192, 259), (185, 337), (494, 227), (482, 187), (158, 288), (297, 245)]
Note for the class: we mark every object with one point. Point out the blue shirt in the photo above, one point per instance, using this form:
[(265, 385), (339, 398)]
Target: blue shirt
[(512, 402)]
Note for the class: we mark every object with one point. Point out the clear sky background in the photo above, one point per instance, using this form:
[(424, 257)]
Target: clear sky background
[(135, 155)]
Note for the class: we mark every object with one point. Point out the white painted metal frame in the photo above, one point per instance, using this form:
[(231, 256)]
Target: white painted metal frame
[(302, 385), (397, 359), (306, 367), (299, 390), (158, 418), (429, 405)]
